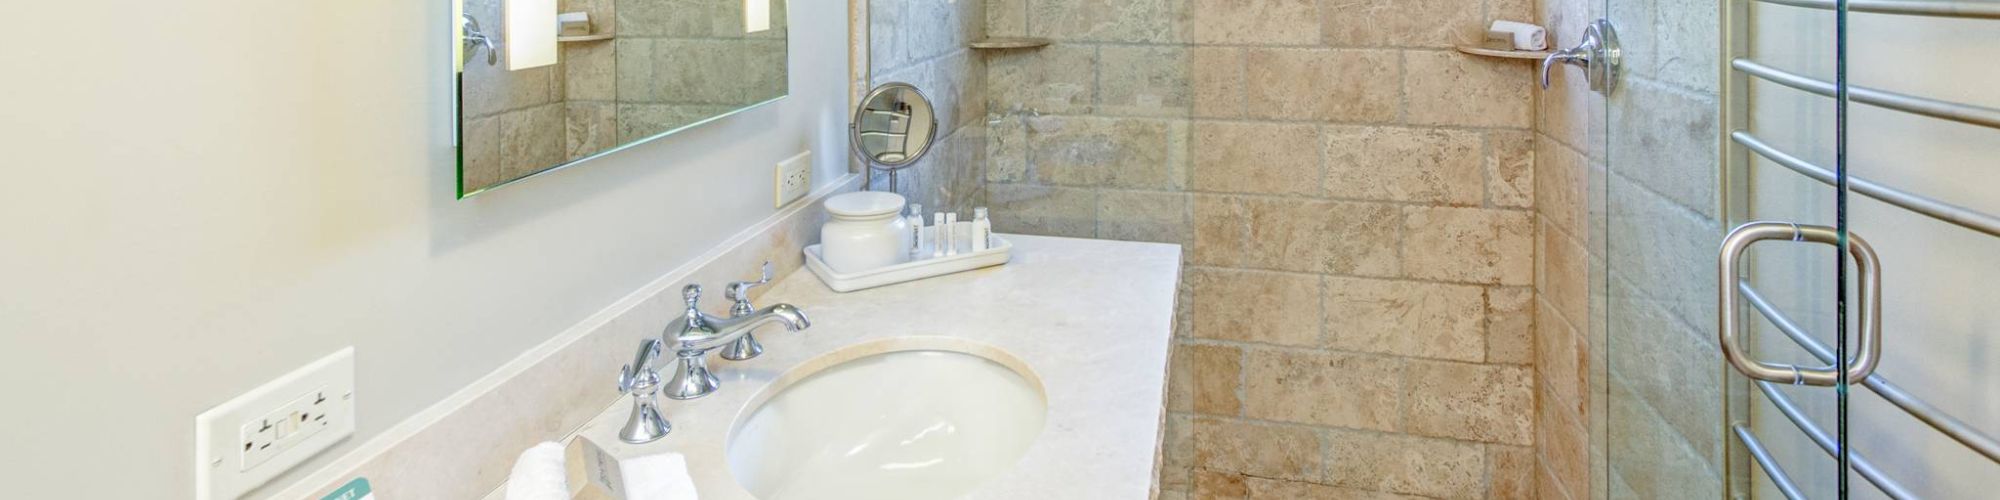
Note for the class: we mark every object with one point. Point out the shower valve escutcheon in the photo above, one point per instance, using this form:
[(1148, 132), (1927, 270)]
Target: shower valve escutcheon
[(1597, 54)]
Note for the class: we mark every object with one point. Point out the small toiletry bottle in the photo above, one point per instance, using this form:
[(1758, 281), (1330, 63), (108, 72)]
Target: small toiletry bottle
[(916, 221), (982, 230), (940, 235), (951, 233)]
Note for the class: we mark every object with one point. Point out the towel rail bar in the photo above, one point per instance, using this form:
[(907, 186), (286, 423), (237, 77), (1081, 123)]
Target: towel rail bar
[(1954, 214), (1952, 427), (1968, 10), (1859, 463), (1765, 461), (1947, 110)]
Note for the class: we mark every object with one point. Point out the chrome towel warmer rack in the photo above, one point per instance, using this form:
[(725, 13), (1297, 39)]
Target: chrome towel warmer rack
[(1741, 144)]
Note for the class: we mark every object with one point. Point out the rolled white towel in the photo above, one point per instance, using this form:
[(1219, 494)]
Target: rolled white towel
[(1524, 36), (657, 477), (599, 474), (539, 474)]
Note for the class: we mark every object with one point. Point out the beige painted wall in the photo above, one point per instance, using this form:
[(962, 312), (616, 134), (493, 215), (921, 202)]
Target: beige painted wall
[(223, 192)]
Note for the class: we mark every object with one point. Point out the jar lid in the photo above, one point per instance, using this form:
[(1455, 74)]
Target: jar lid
[(864, 204)]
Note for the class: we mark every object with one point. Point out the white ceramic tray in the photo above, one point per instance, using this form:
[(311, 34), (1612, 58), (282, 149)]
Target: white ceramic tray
[(999, 254)]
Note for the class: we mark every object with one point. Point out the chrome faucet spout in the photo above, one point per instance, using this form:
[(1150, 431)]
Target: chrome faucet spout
[(696, 333), (691, 337), (727, 330)]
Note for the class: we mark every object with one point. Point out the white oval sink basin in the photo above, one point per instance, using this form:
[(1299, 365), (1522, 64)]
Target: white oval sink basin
[(917, 425)]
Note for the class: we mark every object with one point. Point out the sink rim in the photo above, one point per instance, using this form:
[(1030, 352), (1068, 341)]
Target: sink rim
[(842, 355), (877, 347)]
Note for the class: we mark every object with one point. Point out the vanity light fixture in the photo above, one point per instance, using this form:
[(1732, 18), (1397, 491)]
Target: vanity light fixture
[(756, 16), (531, 33)]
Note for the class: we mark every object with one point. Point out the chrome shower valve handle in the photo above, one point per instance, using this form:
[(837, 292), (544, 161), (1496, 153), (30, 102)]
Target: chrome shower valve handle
[(475, 38), (1597, 54)]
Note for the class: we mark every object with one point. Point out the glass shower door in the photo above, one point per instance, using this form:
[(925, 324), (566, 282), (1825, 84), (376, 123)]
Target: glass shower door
[(1673, 416)]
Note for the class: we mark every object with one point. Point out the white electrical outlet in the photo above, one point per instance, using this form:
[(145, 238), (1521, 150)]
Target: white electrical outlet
[(794, 178), (243, 443)]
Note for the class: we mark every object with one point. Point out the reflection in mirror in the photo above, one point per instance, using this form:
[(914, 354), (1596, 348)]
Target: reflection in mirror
[(625, 72), (893, 127)]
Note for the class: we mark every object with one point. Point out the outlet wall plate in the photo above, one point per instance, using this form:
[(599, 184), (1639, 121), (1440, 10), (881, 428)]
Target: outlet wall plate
[(243, 443), (793, 179)]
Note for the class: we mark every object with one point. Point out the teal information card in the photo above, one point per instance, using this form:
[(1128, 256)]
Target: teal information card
[(354, 490)]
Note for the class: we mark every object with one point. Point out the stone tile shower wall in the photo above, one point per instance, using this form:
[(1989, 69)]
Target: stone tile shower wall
[(677, 62), (924, 43), (1356, 202), (515, 121)]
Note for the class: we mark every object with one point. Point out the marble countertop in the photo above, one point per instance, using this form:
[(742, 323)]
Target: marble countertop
[(1092, 318)]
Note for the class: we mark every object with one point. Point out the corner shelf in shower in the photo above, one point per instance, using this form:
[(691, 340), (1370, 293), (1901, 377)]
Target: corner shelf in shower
[(1503, 53), (593, 37), (1005, 43)]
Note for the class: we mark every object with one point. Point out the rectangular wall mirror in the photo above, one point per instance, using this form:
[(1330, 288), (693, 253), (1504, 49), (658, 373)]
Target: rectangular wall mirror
[(544, 84)]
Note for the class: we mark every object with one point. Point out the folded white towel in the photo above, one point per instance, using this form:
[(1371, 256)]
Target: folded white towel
[(1524, 36), (599, 474), (657, 477), (539, 474)]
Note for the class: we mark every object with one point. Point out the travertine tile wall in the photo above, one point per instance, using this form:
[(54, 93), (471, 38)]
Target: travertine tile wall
[(1356, 199), (1569, 334), (924, 43), (514, 120), (1664, 370), (1628, 218), (678, 62)]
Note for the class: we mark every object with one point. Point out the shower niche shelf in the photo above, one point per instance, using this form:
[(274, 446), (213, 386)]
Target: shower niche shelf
[(1503, 53), (593, 37), (1005, 43)]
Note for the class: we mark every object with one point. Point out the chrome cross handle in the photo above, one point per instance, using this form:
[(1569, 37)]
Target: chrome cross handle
[(1597, 54), (739, 292)]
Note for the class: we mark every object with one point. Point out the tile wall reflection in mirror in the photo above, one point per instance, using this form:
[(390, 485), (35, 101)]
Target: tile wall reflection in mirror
[(548, 83)]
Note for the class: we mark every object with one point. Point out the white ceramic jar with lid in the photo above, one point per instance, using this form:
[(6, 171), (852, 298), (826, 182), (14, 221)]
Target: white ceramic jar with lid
[(865, 231)]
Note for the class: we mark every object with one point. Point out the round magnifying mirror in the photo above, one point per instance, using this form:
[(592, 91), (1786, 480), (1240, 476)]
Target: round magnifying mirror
[(894, 126)]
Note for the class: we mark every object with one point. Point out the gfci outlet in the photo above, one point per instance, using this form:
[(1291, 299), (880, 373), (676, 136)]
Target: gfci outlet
[(243, 443), (795, 178)]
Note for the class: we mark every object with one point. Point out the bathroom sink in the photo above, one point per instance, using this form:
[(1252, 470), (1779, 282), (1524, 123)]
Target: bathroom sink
[(922, 424)]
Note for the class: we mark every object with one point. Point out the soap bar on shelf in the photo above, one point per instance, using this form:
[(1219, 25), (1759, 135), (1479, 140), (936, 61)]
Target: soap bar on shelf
[(574, 23)]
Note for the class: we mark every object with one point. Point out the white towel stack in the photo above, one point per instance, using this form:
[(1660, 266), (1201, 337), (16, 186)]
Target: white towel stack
[(540, 474), (657, 477), (551, 471)]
